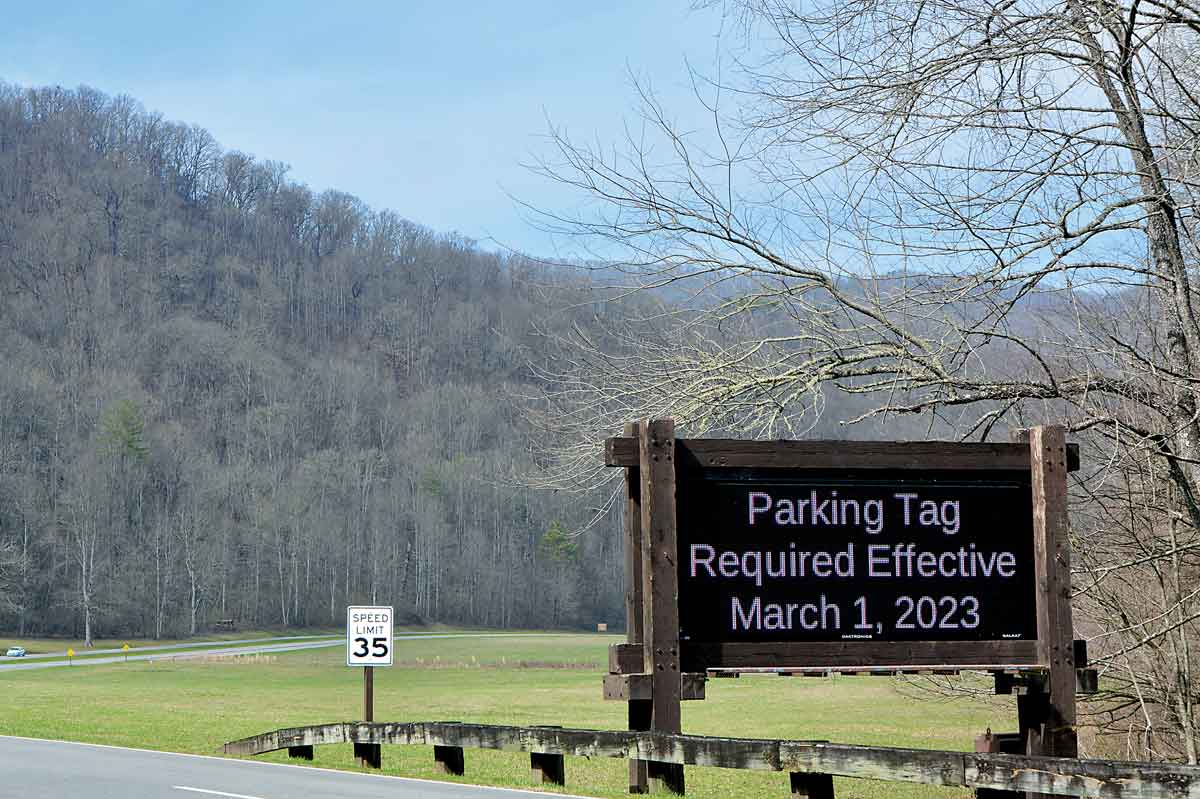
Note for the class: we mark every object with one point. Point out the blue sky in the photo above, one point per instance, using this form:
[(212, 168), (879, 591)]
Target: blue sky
[(428, 108)]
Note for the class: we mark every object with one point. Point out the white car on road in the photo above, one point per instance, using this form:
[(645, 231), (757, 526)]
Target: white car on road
[(15, 652)]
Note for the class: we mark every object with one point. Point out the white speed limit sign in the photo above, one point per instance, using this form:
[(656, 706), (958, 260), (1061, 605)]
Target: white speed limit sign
[(368, 636)]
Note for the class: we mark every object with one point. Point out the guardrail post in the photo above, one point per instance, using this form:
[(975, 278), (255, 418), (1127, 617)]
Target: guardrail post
[(300, 752), (547, 768), (449, 760), (811, 786), (368, 755), (1011, 743)]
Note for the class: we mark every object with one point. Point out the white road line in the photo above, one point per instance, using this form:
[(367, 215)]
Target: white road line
[(214, 793), (266, 764)]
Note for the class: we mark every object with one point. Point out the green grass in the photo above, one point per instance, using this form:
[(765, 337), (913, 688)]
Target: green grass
[(196, 705)]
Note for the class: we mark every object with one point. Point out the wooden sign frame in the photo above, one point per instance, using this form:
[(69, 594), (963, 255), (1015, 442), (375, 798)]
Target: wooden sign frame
[(1046, 462), (654, 670)]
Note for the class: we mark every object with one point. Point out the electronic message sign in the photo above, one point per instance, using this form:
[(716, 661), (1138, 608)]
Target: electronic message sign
[(780, 556)]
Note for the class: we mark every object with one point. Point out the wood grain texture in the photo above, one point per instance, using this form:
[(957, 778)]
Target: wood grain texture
[(627, 687), (736, 453), (1052, 719), (1098, 779), (865, 656), (660, 591), (972, 656), (548, 768), (290, 737), (635, 687), (625, 658), (633, 544), (639, 711)]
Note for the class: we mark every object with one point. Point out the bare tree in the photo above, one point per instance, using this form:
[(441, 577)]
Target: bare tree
[(972, 213), (85, 528), (10, 566)]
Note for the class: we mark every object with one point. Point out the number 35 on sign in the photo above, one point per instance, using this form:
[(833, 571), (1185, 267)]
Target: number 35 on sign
[(368, 636)]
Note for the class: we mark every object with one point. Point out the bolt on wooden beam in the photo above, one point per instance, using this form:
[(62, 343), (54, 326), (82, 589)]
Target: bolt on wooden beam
[(660, 591)]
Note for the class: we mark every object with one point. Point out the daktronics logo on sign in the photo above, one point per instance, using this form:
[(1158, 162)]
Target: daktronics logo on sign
[(368, 636)]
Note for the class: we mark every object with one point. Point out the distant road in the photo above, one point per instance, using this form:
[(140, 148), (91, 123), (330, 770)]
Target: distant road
[(33, 768), (223, 648), (190, 645), (215, 650)]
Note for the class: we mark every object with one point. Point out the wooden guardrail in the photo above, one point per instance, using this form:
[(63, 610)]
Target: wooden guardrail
[(1102, 779)]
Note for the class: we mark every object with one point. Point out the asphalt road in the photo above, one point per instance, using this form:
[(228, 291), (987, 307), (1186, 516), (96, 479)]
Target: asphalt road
[(221, 648), (189, 645), (33, 769), (214, 650)]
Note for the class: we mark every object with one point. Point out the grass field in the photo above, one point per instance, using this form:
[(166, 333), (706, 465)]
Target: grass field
[(196, 705)]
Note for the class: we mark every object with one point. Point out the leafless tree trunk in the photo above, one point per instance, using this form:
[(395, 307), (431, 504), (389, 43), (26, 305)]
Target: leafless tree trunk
[(85, 530)]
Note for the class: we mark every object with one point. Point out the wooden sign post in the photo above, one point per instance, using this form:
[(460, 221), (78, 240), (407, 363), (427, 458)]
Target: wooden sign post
[(368, 755), (639, 709), (369, 644), (660, 592), (816, 556)]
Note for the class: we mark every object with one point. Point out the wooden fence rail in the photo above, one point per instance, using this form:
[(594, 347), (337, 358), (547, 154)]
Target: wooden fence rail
[(1102, 779)]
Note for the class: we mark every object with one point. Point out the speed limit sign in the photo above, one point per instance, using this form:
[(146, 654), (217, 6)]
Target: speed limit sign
[(368, 636)]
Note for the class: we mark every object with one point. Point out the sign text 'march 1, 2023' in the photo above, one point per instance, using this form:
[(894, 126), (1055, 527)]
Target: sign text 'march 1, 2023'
[(369, 635), (778, 556)]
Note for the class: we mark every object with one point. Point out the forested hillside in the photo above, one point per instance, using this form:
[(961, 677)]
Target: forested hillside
[(223, 396)]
